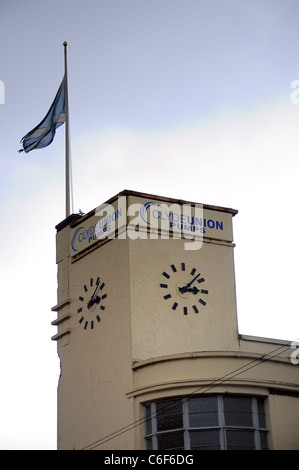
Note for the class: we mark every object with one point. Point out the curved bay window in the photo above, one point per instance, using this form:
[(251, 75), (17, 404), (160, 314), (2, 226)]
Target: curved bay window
[(211, 422)]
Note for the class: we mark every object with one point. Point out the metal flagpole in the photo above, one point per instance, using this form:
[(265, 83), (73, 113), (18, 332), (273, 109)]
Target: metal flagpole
[(67, 145)]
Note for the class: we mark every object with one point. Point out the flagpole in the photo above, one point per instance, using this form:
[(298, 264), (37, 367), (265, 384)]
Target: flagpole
[(67, 145)]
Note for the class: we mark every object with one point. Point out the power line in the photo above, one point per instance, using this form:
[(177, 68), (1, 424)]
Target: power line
[(210, 386)]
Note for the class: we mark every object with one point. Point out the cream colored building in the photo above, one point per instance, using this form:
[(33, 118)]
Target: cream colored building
[(147, 335)]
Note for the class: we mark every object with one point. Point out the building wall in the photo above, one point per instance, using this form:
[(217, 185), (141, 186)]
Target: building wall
[(95, 364), (157, 329), (238, 373), (283, 413), (143, 350)]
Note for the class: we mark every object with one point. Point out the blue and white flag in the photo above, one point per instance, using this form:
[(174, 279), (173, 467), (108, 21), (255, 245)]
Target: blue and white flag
[(43, 134)]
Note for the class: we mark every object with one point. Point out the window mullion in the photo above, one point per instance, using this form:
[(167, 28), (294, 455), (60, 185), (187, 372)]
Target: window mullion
[(186, 424), (154, 426), (255, 418), (221, 422)]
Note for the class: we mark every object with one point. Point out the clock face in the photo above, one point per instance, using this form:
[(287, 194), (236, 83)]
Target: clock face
[(183, 288), (91, 303)]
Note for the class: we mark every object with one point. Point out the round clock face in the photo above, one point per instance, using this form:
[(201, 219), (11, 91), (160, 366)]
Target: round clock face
[(92, 303), (183, 288)]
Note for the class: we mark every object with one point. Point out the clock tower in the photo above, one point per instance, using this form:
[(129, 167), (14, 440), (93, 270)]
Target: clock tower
[(147, 336), (141, 280)]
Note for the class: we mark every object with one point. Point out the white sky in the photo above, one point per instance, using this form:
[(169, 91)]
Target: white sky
[(180, 98)]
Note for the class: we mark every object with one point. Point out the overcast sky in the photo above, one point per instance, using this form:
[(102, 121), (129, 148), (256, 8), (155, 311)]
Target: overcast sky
[(182, 98)]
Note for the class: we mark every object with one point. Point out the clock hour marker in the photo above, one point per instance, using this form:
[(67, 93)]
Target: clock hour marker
[(98, 318), (102, 286), (202, 302), (81, 298), (91, 324), (193, 272), (185, 311), (173, 268), (166, 275), (183, 266), (91, 282), (174, 306), (81, 319), (195, 308), (85, 288), (102, 307), (202, 279), (165, 286), (97, 281), (203, 291), (85, 326), (168, 296), (104, 296), (79, 310)]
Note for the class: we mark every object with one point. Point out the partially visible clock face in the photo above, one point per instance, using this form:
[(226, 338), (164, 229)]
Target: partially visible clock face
[(183, 288), (92, 302)]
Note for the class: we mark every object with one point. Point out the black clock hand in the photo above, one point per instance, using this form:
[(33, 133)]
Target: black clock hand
[(193, 289), (92, 300), (187, 287), (191, 282)]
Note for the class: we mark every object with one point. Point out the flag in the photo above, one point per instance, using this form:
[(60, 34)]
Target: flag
[(43, 134)]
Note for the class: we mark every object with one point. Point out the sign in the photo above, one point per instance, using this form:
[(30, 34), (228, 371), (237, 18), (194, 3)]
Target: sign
[(137, 217)]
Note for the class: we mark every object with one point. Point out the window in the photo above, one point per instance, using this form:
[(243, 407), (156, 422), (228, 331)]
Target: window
[(209, 422)]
